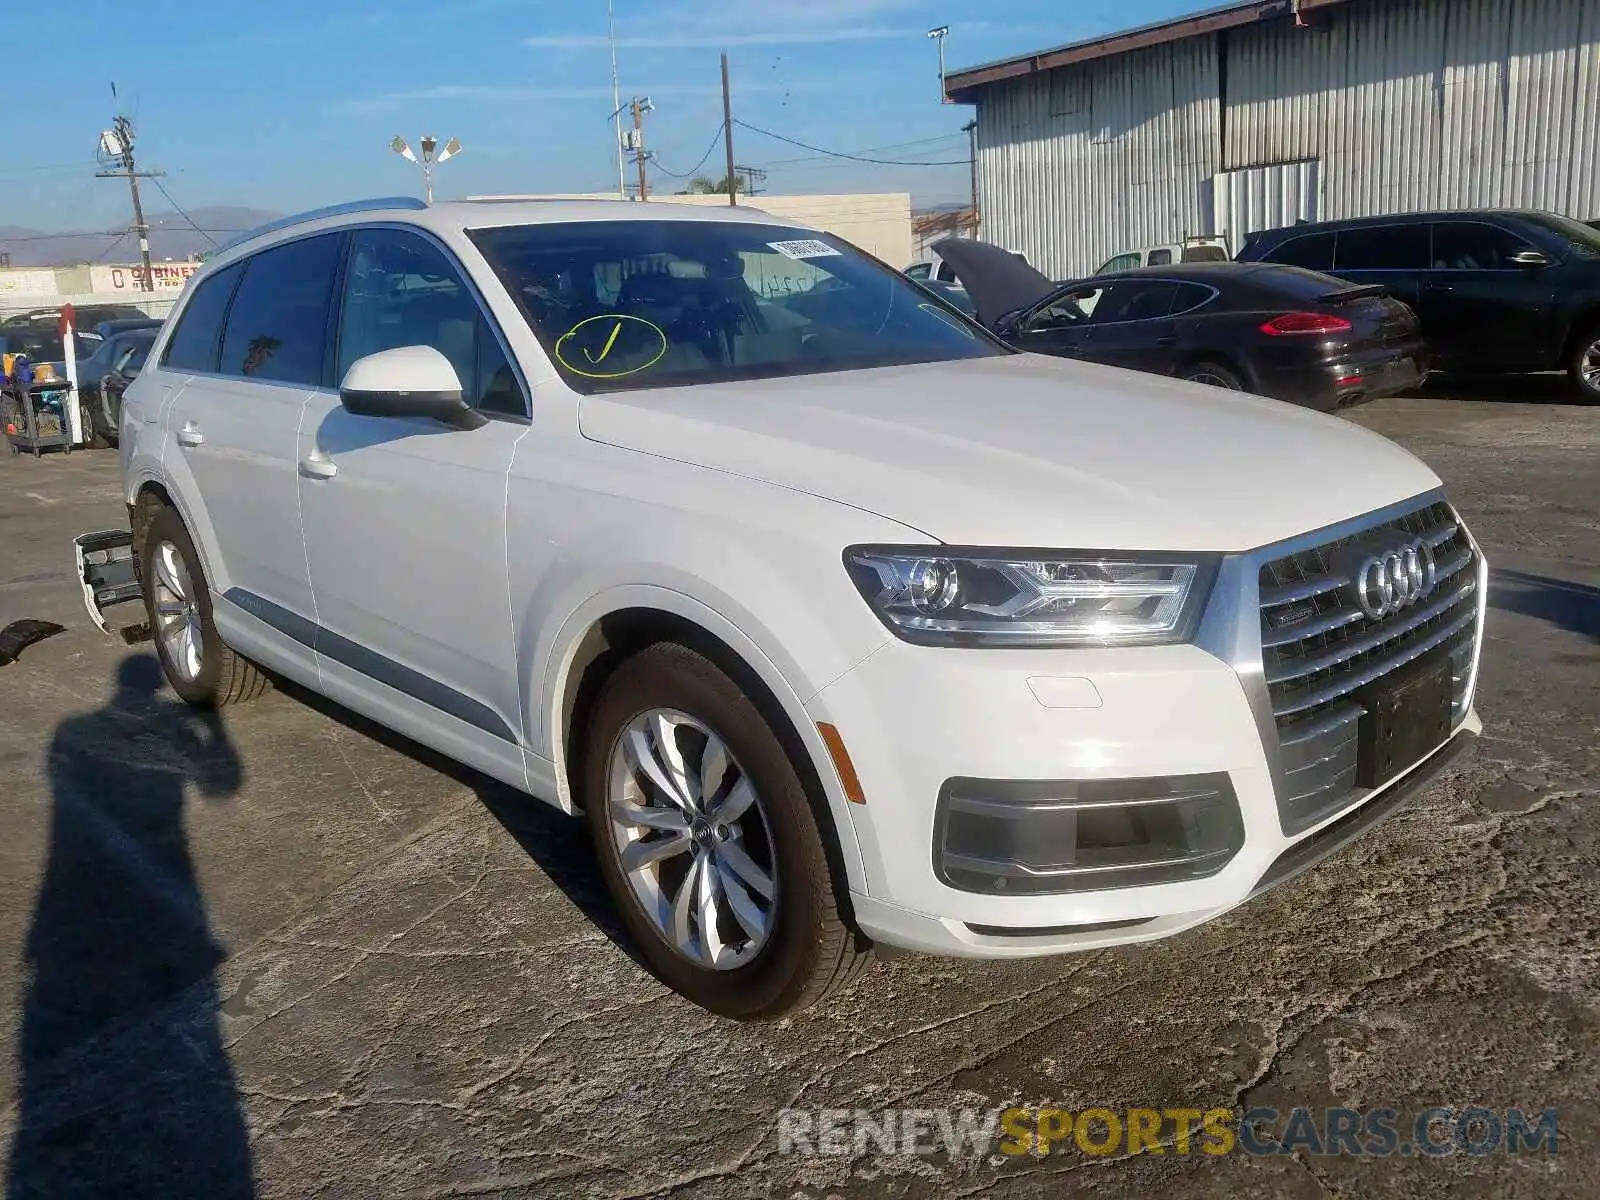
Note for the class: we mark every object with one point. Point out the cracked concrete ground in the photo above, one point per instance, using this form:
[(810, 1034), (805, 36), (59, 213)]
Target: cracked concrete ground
[(287, 954)]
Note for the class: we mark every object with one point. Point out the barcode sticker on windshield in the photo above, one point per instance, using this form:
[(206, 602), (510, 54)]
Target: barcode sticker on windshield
[(809, 248)]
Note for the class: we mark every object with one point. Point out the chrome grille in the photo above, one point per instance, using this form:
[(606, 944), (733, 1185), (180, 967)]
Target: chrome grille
[(1319, 648)]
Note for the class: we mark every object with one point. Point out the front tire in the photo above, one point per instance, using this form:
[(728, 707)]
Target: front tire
[(709, 843), (177, 598), (1585, 366)]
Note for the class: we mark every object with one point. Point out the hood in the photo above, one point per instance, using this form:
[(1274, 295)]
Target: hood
[(998, 281), (1024, 450)]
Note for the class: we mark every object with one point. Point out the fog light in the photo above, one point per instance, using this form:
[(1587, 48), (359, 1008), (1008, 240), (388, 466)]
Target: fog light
[(1000, 836)]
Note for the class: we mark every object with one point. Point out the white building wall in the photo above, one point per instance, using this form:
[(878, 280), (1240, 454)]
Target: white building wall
[(1404, 104)]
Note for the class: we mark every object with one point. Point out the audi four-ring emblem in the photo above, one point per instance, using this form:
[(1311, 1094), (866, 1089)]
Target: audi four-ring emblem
[(1395, 579)]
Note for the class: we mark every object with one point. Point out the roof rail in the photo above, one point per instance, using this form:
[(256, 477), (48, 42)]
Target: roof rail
[(333, 210)]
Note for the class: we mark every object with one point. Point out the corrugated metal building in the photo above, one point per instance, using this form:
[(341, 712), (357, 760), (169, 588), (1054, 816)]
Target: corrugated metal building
[(1254, 115)]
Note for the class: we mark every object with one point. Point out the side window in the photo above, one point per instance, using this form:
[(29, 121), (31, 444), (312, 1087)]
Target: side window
[(279, 320), (1065, 311), (1474, 246), (1122, 262), (1137, 300), (1160, 258), (944, 272), (1190, 297), (193, 345), (919, 270), (131, 356), (402, 290), (1313, 251), (1383, 248)]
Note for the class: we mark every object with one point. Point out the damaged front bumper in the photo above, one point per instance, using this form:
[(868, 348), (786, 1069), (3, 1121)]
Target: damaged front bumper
[(106, 572)]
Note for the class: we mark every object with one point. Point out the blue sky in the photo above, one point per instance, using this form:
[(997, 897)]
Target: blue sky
[(291, 104)]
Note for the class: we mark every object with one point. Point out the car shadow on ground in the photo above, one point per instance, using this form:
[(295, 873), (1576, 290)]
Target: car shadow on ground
[(558, 844), (126, 1089), (1571, 606), (1500, 389)]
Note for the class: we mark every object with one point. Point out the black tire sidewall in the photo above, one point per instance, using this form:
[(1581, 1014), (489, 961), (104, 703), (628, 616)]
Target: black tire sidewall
[(167, 526), (1587, 342), (670, 676), (1235, 384)]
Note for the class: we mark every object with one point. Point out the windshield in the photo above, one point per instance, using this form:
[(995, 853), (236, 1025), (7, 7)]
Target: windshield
[(638, 304), (1581, 240), (42, 344)]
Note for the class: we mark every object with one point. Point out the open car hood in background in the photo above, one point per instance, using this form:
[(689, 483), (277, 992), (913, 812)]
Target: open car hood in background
[(997, 280)]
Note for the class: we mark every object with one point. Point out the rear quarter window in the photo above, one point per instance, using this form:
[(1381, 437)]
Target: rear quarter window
[(1313, 251)]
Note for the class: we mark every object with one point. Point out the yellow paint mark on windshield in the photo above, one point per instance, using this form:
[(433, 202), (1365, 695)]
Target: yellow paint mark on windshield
[(653, 346)]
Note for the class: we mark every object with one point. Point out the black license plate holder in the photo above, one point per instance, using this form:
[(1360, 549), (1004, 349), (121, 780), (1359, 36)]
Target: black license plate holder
[(1408, 716)]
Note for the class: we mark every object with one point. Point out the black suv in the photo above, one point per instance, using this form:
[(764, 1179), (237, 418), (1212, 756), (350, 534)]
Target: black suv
[(1495, 290)]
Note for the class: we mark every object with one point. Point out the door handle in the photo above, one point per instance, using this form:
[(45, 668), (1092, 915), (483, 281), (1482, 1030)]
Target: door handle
[(1441, 287), (1167, 341), (318, 468), (190, 435)]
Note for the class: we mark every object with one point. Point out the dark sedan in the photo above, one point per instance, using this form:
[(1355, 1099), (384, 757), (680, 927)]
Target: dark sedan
[(105, 375), (1283, 332)]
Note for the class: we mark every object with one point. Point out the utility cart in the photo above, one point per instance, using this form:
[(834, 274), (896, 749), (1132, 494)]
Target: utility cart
[(36, 416)]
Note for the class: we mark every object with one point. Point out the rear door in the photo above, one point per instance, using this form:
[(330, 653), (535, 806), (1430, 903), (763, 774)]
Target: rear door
[(1394, 256), (1478, 308), (405, 518), (232, 429)]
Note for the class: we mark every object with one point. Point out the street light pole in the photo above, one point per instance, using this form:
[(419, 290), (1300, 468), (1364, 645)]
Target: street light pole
[(938, 34), (431, 157)]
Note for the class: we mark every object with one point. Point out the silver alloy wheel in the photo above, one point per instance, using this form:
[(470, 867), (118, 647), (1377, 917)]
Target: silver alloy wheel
[(177, 613), (1212, 379), (693, 840), (1589, 366)]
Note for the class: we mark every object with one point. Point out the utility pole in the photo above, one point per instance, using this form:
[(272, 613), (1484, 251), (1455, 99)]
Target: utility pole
[(116, 146), (616, 97), (971, 130), (727, 132), (640, 106)]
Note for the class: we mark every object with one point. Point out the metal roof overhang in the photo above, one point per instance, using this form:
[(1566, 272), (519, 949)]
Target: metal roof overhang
[(964, 85)]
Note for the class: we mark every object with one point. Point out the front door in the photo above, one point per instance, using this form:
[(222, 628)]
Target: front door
[(1478, 308), (1133, 327), (1062, 326), (405, 518)]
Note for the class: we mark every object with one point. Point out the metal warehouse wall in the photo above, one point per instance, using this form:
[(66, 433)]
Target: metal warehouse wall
[(1409, 104)]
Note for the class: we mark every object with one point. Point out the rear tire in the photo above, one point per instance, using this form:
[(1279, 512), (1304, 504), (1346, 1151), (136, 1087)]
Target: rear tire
[(772, 954), (1213, 375), (202, 670), (1584, 367)]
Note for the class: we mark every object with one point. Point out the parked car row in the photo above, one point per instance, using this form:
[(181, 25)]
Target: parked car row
[(1277, 331), (1326, 314)]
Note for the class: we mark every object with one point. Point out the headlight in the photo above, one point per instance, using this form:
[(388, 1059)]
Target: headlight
[(940, 596)]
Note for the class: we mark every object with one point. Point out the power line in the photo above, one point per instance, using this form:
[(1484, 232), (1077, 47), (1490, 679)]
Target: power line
[(885, 162), (948, 137), (178, 208), (694, 170)]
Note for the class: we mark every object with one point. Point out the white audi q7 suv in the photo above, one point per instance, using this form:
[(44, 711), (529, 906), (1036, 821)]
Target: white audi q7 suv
[(840, 622)]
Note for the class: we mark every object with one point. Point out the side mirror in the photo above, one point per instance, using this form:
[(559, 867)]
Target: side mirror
[(409, 381), (1531, 259)]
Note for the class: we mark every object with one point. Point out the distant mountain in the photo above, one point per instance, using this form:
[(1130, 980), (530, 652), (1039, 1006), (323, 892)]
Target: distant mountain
[(171, 236)]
